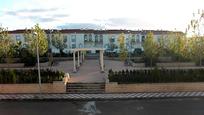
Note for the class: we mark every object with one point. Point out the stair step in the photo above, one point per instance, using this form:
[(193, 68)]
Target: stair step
[(85, 91), (85, 87)]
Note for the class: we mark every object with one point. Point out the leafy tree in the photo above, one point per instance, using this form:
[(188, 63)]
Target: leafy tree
[(132, 41), (150, 48), (163, 44), (197, 46), (177, 46), (6, 44), (123, 50), (196, 41), (17, 48), (36, 36), (111, 44), (58, 41)]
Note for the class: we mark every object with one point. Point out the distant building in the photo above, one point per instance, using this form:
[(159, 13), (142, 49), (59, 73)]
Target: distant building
[(107, 39)]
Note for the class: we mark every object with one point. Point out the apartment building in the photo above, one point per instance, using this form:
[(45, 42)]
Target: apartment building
[(87, 38)]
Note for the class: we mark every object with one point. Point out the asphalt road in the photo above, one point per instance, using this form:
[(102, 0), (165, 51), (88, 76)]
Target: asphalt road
[(187, 106)]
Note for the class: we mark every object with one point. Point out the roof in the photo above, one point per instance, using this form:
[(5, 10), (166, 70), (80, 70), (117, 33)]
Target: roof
[(87, 49), (69, 31)]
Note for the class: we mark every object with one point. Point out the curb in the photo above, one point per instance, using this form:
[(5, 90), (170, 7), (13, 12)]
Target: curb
[(103, 96)]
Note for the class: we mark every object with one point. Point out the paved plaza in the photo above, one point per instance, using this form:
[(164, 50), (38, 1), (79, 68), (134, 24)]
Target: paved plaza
[(89, 70)]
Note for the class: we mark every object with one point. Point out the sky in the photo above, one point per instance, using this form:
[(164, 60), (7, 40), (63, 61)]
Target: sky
[(99, 14)]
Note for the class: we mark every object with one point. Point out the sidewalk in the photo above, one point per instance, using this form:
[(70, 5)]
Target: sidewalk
[(104, 96)]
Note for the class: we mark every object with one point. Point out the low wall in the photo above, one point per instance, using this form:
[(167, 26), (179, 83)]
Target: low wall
[(184, 64), (62, 58), (11, 65), (138, 64), (55, 87), (165, 59), (114, 87)]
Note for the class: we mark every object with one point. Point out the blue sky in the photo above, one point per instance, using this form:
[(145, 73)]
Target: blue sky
[(99, 14)]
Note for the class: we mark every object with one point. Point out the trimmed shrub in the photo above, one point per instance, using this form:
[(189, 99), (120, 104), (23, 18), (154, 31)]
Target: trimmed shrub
[(27, 58), (8, 76), (157, 76)]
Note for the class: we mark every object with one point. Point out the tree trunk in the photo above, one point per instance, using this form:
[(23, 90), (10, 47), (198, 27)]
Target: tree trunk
[(200, 61), (61, 51)]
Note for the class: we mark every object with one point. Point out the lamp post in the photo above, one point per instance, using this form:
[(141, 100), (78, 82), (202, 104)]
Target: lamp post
[(129, 45), (38, 60), (50, 56)]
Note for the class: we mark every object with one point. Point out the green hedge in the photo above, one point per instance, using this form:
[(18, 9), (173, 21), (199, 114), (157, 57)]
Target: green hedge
[(12, 76), (157, 76)]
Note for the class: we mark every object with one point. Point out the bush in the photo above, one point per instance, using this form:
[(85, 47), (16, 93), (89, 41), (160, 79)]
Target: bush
[(157, 76), (27, 58), (8, 76), (147, 62), (62, 54), (137, 52)]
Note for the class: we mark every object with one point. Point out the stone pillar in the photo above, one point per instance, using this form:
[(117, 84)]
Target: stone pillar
[(78, 64), (101, 61), (74, 61), (81, 57)]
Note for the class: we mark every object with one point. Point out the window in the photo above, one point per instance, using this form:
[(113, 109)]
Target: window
[(137, 40), (138, 36), (85, 38), (158, 38), (112, 39), (96, 38), (80, 45), (73, 40), (48, 38), (18, 38), (143, 38), (101, 38), (90, 37), (73, 45), (64, 39)]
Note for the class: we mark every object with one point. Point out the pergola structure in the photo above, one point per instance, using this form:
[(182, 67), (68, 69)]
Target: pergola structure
[(80, 55)]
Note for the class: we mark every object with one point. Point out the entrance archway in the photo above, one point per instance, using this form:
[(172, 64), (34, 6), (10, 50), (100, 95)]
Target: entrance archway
[(80, 57)]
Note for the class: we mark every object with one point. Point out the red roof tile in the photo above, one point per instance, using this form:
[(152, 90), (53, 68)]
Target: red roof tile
[(68, 31)]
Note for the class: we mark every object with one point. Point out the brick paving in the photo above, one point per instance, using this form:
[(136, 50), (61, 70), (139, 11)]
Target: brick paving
[(103, 96), (89, 71)]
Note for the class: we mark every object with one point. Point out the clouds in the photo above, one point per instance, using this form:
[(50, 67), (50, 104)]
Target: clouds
[(38, 15), (111, 23), (124, 23), (109, 14), (37, 10), (41, 19), (80, 26)]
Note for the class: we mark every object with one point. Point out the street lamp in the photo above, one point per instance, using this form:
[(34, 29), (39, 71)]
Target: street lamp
[(50, 56), (129, 45), (38, 61)]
